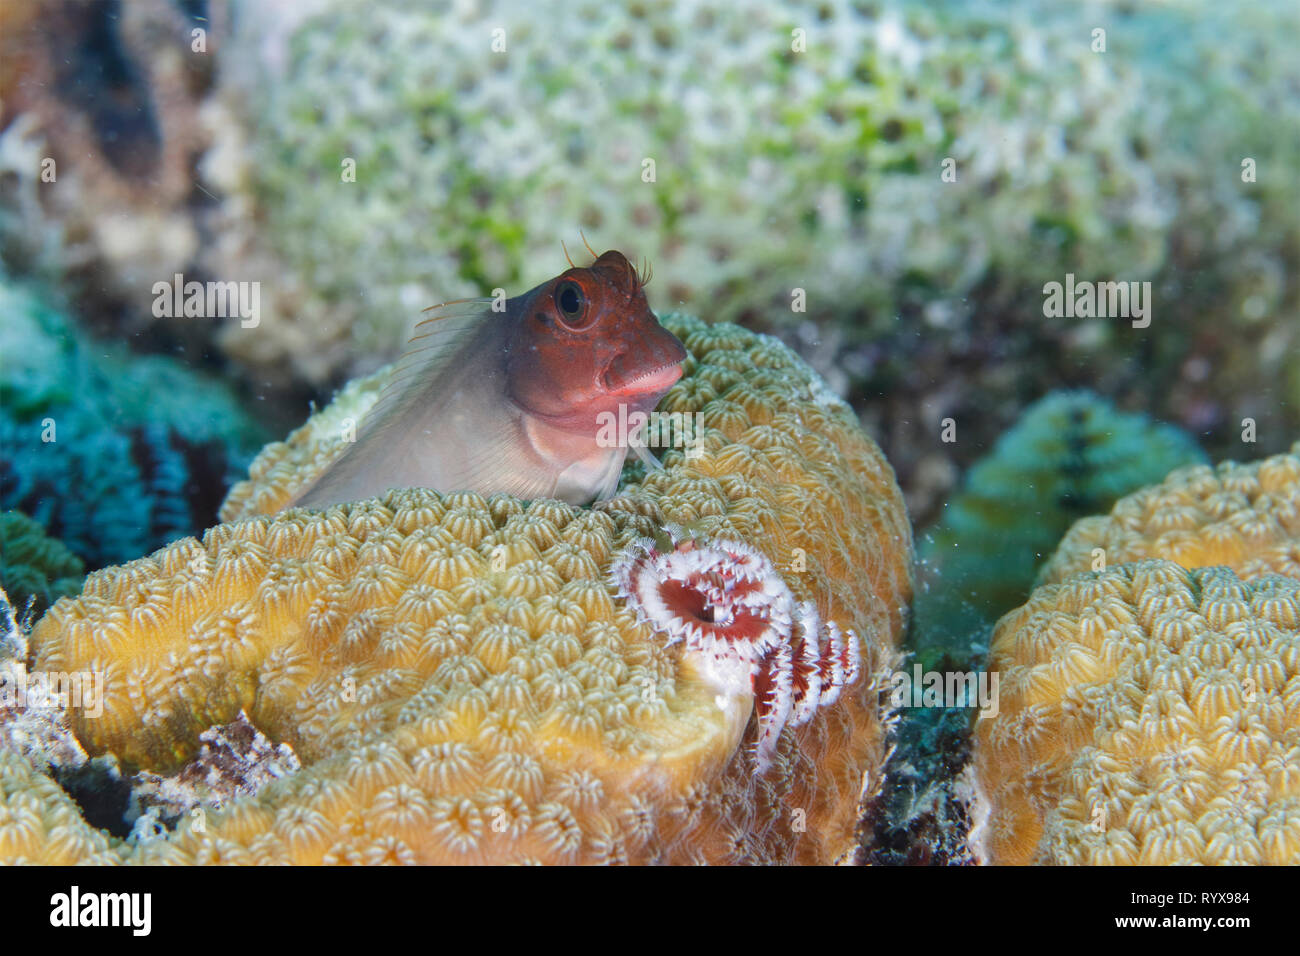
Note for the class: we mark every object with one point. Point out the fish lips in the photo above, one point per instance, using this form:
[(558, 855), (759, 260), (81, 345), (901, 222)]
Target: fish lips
[(646, 370), (641, 382)]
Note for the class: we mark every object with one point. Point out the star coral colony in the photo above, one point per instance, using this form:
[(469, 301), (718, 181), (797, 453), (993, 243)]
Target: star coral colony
[(742, 624), (639, 430)]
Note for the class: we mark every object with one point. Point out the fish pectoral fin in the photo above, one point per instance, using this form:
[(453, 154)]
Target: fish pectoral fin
[(611, 484), (495, 455), (646, 457), (586, 481)]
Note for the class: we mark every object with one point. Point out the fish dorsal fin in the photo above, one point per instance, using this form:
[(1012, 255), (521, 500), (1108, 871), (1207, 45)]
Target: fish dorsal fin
[(493, 452), (435, 344)]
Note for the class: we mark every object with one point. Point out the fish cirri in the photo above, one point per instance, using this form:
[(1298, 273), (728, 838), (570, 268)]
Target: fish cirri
[(510, 400)]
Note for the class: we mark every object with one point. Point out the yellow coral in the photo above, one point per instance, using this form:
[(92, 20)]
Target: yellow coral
[(39, 823), (1241, 516), (1148, 714), (455, 672)]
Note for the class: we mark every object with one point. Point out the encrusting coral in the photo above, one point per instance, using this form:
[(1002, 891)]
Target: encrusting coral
[(457, 674), (1148, 714), (1242, 516)]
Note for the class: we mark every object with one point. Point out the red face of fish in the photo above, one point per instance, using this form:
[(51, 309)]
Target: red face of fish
[(586, 342)]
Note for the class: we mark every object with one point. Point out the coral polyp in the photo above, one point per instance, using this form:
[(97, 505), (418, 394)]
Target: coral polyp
[(742, 629)]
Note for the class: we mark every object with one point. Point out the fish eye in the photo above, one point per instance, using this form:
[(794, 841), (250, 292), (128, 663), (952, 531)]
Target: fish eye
[(571, 302)]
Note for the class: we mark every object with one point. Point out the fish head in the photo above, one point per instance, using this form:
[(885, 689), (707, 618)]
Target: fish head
[(586, 343)]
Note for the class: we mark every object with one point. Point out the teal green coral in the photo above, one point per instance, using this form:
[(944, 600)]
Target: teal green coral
[(34, 568), (774, 170), (1070, 455), (37, 353), (141, 445)]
